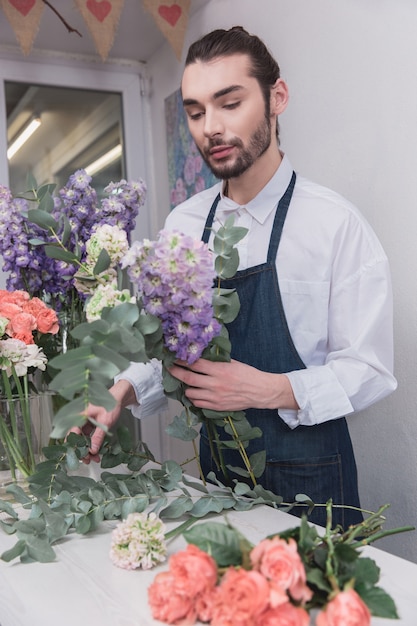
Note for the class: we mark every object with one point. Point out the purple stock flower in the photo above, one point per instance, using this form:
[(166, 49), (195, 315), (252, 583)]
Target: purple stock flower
[(174, 276)]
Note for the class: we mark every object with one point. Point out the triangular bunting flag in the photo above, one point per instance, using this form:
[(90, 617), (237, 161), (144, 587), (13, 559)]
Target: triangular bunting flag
[(24, 17), (172, 19), (102, 18)]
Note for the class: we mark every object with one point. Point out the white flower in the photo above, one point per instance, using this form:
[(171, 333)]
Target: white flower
[(3, 325), (139, 541), (112, 238), (22, 356), (106, 296)]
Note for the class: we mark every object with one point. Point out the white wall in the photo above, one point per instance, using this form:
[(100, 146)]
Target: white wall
[(351, 67)]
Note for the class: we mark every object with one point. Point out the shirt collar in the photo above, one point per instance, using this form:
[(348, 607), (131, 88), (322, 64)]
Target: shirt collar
[(267, 199)]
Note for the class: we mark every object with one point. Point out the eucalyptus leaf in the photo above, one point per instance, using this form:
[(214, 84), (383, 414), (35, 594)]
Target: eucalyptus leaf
[(106, 353), (180, 429), (178, 507), (83, 525), (43, 219), (18, 549), (204, 506), (56, 252), (6, 507), (103, 262)]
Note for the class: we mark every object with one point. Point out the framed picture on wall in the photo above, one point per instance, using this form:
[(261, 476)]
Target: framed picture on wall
[(187, 172)]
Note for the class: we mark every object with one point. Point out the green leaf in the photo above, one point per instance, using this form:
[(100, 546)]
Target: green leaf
[(180, 429), (43, 219), (74, 356), (66, 230), (258, 462), (379, 602), (107, 354), (133, 505), (206, 505), (125, 438), (177, 507), (222, 542), (55, 252), (103, 262), (82, 525), (366, 571), (226, 266), (72, 460), (18, 493), (14, 552), (6, 507)]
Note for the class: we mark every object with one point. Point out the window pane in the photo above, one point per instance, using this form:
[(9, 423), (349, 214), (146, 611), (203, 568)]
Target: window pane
[(78, 126)]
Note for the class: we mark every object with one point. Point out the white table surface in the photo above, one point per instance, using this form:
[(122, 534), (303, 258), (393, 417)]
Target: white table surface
[(84, 587)]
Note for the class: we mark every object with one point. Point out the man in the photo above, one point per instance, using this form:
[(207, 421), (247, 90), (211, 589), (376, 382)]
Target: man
[(313, 339)]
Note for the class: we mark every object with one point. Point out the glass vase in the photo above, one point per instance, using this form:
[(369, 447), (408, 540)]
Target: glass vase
[(25, 427)]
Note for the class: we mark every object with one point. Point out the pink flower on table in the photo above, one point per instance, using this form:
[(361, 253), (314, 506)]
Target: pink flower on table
[(204, 604), (194, 570), (242, 597), (346, 609), (284, 615), (169, 603), (280, 563)]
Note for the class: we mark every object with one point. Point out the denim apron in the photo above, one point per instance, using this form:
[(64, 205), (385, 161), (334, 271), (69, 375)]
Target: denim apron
[(314, 460)]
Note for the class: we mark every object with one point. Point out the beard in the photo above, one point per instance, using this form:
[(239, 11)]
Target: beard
[(257, 146)]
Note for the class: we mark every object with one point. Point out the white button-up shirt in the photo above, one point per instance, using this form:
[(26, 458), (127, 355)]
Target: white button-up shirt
[(336, 292)]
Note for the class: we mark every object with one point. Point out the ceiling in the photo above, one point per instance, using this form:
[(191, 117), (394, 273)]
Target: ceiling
[(137, 36)]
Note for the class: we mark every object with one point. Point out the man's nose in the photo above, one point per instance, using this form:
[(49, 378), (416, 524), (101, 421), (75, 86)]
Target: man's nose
[(213, 124)]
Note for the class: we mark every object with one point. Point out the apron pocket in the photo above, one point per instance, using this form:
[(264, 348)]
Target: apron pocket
[(319, 478)]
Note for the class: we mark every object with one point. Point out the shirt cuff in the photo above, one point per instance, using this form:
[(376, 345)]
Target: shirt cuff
[(319, 395), (146, 380)]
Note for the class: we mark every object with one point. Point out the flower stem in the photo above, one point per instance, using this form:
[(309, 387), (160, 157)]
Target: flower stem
[(242, 450)]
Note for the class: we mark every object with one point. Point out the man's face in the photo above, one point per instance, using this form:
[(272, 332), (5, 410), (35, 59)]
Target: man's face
[(226, 112)]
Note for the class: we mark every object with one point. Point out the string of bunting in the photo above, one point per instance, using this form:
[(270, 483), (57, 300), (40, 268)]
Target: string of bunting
[(101, 18)]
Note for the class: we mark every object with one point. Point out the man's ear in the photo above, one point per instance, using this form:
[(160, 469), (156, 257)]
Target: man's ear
[(279, 97)]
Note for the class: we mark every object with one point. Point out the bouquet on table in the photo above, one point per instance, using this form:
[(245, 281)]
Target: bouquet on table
[(223, 579)]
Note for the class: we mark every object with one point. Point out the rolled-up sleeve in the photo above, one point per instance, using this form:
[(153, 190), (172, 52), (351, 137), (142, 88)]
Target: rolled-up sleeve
[(358, 367), (146, 380)]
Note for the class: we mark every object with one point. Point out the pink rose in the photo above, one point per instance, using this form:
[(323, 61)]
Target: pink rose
[(195, 571), (170, 604), (204, 604), (280, 563), (346, 609), (284, 615), (242, 596)]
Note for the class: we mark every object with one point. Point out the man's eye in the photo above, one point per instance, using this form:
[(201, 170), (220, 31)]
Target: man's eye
[(232, 105), (195, 116)]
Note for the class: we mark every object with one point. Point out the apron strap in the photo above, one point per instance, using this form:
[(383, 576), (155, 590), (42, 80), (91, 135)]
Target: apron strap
[(279, 220)]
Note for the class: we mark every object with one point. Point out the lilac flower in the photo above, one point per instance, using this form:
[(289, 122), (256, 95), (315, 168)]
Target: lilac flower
[(174, 276)]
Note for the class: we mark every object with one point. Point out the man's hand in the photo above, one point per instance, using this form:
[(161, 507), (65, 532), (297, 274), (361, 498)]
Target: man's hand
[(124, 394), (233, 386)]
